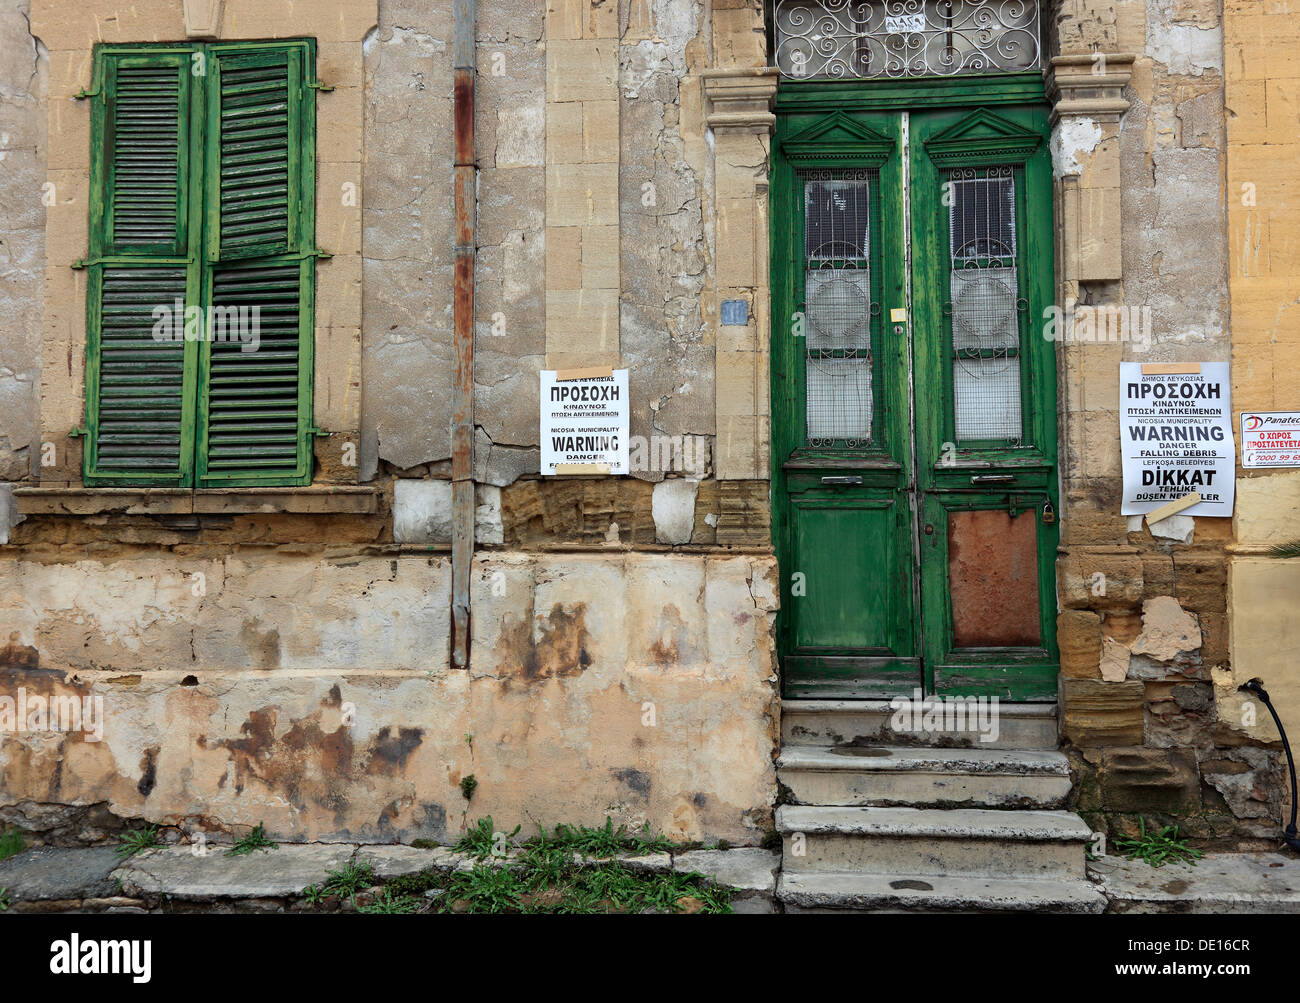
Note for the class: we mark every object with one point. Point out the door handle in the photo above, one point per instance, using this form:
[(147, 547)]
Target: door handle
[(848, 479), (992, 478)]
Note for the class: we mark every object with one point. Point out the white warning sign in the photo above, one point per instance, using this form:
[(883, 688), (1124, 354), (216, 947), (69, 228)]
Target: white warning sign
[(585, 422), (1176, 436)]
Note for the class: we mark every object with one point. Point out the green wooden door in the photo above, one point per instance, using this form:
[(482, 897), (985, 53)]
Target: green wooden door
[(913, 403)]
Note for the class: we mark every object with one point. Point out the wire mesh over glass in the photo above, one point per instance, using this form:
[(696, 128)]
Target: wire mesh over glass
[(905, 38), (840, 310), (984, 307)]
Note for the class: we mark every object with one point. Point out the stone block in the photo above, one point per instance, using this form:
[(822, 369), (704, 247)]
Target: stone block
[(421, 511), (673, 509), (1078, 635), (1096, 713), (1099, 578), (1141, 780)]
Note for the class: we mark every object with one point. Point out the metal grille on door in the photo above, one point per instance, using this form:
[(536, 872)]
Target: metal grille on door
[(841, 312), (984, 304)]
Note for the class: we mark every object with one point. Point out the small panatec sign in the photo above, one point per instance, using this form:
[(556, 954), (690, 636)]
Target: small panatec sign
[(1270, 438), (585, 421)]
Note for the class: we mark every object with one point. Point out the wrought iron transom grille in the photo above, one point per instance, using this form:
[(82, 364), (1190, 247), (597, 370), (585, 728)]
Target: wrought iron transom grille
[(905, 38)]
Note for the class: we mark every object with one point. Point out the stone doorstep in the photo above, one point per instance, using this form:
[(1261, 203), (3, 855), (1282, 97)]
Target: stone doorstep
[(801, 893)]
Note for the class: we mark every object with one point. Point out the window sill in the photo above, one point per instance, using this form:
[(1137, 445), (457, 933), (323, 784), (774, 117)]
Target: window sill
[(325, 499)]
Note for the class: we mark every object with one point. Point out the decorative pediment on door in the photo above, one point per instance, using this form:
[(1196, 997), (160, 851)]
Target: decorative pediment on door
[(838, 137), (983, 136)]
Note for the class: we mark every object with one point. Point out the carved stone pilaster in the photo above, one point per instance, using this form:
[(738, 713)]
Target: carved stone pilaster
[(738, 109), (1087, 95), (740, 98), (1091, 85)]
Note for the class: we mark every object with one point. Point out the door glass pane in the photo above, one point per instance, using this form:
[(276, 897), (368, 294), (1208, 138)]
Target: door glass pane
[(984, 308), (905, 38), (993, 578), (841, 310)]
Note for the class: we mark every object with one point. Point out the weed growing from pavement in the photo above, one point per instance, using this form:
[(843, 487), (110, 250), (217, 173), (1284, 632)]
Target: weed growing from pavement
[(567, 870), (388, 903), (255, 840), (137, 840), (11, 843), (480, 839), (1158, 848), (344, 883)]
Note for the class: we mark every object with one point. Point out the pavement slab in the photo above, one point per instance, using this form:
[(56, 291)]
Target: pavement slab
[(280, 873), (48, 873), (1219, 883)]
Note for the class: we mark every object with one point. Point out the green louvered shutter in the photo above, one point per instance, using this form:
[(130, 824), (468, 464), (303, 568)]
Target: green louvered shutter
[(140, 372), (202, 266), (255, 406)]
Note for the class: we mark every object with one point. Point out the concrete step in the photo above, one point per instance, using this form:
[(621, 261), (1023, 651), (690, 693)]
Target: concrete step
[(885, 775), (844, 722), (876, 893), (975, 842)]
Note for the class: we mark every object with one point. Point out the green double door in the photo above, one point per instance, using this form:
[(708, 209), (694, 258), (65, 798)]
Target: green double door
[(913, 402)]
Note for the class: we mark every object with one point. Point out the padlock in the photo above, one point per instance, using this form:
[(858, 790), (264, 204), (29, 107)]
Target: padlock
[(1049, 514)]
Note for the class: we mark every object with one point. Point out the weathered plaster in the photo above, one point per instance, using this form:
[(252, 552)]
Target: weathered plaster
[(24, 75), (315, 696)]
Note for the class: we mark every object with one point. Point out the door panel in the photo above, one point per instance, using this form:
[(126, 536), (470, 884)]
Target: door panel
[(843, 440), (981, 251), (913, 427)]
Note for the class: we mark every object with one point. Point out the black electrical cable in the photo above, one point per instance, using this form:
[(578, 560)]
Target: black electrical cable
[(1256, 686)]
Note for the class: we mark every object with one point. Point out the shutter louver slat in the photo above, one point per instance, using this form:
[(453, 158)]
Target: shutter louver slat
[(141, 379), (253, 395), (145, 152), (254, 144)]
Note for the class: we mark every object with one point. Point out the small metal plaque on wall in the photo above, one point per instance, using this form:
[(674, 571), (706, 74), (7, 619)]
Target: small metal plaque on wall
[(735, 313)]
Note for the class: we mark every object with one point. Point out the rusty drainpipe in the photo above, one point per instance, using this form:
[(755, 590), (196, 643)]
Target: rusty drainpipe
[(462, 407)]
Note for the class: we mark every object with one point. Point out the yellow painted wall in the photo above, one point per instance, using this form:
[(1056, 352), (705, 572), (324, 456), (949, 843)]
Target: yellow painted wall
[(1262, 69)]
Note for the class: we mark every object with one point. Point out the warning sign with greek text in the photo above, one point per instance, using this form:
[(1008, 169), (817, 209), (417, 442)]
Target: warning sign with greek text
[(1175, 428), (585, 422), (1270, 438)]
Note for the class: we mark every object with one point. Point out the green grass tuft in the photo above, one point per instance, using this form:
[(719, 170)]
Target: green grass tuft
[(255, 840), (1158, 848), (344, 883), (389, 903), (137, 840), (11, 844)]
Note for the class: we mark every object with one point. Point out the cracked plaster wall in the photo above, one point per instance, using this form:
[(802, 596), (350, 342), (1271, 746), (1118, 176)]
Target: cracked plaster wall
[(315, 695), (24, 73), (665, 257)]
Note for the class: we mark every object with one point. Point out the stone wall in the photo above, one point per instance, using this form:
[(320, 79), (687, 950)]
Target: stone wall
[(1144, 630), (1261, 41)]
